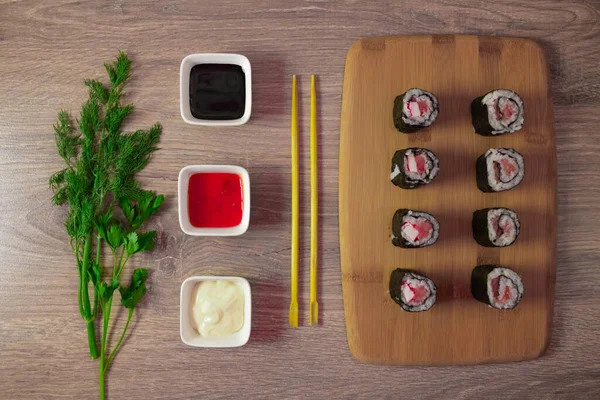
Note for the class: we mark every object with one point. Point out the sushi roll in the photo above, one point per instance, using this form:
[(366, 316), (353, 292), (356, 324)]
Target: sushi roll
[(495, 227), (415, 109), (497, 286), (412, 229), (497, 112), (411, 291), (414, 167), (499, 169)]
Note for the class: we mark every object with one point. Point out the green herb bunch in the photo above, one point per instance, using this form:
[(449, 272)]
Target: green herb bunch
[(98, 180)]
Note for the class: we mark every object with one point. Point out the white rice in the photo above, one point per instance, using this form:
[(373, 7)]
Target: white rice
[(495, 155), (508, 278), (421, 120), (501, 96), (505, 239)]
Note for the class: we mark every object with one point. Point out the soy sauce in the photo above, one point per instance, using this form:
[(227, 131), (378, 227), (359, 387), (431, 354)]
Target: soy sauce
[(217, 91)]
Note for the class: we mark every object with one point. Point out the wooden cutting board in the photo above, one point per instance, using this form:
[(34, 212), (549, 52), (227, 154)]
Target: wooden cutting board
[(458, 329)]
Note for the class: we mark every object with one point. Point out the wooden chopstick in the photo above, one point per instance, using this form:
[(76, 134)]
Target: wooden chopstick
[(293, 314), (314, 208)]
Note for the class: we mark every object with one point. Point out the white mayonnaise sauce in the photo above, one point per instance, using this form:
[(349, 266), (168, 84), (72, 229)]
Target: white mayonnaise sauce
[(217, 308)]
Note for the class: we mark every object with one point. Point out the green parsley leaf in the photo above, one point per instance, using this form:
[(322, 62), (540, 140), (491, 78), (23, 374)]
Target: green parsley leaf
[(115, 236), (131, 243), (135, 243), (132, 295), (106, 290), (95, 274)]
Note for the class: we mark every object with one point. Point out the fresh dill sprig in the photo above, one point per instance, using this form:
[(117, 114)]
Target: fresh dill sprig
[(101, 163)]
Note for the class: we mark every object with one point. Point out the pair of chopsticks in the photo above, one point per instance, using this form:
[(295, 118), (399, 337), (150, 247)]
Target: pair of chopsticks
[(314, 306)]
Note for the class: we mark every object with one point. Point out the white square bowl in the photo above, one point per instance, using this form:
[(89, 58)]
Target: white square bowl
[(191, 337), (212, 58), (183, 183)]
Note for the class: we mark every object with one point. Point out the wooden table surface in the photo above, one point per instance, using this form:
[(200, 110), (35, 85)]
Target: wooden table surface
[(48, 48)]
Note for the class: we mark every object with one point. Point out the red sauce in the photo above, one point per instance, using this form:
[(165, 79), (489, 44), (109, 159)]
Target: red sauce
[(215, 200)]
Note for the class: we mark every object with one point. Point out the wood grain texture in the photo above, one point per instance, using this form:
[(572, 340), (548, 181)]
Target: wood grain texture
[(458, 329), (48, 48)]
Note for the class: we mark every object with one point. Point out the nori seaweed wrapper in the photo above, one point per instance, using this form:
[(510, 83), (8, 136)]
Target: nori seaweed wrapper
[(479, 117), (397, 239), (396, 283), (479, 282), (480, 228), (400, 179), (398, 113), (481, 175)]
